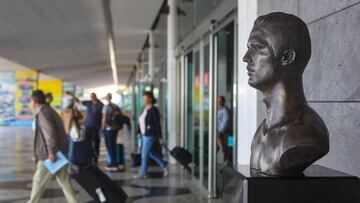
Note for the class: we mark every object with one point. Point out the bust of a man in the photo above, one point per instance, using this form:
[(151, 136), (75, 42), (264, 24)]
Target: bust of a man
[(293, 135)]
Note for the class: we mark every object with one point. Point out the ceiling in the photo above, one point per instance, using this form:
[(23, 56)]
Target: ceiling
[(67, 39)]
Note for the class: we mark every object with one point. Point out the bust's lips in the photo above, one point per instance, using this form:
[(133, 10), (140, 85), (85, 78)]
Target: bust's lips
[(250, 73)]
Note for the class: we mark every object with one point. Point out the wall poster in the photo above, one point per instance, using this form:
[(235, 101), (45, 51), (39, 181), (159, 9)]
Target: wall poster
[(26, 82), (7, 97)]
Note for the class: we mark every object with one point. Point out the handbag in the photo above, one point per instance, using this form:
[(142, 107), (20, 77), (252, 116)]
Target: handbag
[(77, 131), (77, 134)]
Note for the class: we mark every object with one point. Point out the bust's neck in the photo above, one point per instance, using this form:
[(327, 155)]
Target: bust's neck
[(283, 102)]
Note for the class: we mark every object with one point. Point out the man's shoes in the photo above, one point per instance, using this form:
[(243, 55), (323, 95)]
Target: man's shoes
[(111, 168), (139, 176), (165, 171)]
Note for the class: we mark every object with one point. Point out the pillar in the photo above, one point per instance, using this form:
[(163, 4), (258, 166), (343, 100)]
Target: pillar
[(247, 96), (171, 74)]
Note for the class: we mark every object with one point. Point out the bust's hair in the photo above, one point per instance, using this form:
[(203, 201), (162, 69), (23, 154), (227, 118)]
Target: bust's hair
[(290, 32)]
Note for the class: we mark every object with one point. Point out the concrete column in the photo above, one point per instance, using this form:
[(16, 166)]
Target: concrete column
[(151, 55), (171, 73), (247, 96)]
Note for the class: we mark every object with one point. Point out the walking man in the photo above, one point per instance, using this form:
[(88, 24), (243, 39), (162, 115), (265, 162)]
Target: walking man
[(50, 137)]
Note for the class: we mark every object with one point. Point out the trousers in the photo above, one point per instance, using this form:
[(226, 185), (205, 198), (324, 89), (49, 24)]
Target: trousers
[(42, 177), (147, 151)]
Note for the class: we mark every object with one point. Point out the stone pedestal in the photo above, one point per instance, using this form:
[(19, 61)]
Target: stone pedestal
[(317, 185)]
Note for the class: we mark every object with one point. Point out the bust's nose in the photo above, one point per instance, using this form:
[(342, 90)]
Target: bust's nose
[(247, 58)]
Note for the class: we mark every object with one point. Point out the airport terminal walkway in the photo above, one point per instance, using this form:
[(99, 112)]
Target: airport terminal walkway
[(17, 168)]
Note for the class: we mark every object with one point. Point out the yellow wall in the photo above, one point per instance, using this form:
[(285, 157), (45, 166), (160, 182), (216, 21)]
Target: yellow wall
[(56, 88)]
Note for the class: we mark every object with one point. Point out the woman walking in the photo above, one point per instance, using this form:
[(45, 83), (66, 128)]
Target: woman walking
[(150, 129)]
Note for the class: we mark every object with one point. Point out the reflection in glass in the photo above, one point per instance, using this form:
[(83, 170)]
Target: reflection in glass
[(196, 103), (225, 84), (205, 101), (190, 90)]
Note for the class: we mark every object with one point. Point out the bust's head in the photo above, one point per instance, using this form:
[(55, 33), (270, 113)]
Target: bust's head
[(279, 49)]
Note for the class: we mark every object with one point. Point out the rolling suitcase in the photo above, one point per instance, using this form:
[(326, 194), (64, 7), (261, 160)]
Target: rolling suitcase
[(181, 155), (99, 186)]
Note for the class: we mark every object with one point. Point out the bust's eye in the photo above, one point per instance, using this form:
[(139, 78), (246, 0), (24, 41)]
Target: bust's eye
[(256, 48)]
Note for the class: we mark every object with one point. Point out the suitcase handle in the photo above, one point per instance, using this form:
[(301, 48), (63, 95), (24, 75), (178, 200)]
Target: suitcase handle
[(166, 148)]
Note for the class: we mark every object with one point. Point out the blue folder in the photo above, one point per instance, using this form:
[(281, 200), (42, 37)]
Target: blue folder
[(56, 166)]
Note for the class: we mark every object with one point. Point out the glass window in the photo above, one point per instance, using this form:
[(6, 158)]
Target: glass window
[(190, 90), (193, 111), (196, 103), (206, 113), (225, 85)]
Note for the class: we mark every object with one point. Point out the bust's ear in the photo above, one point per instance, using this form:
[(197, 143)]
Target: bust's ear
[(288, 57)]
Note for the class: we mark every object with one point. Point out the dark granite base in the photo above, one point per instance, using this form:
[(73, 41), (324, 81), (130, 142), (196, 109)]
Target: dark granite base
[(317, 185)]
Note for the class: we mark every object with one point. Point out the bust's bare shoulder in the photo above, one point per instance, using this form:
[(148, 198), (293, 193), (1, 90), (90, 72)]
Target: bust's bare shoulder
[(304, 141), (307, 129)]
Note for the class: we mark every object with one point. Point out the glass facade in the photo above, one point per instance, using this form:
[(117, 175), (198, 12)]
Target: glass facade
[(192, 12), (198, 94), (213, 52), (196, 103), (226, 76), (190, 107), (206, 96)]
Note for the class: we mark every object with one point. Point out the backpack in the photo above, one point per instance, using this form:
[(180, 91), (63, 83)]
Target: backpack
[(115, 119)]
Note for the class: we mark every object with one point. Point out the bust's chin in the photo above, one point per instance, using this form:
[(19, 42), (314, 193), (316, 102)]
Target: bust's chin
[(253, 84)]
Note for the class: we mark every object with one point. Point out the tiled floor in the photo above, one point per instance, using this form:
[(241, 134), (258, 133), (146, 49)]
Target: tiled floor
[(17, 168)]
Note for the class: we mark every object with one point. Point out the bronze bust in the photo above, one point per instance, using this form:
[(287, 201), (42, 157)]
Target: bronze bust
[(293, 135)]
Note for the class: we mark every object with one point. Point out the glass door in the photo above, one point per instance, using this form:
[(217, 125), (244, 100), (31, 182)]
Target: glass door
[(209, 73), (193, 109), (189, 144), (225, 94), (205, 109), (196, 119)]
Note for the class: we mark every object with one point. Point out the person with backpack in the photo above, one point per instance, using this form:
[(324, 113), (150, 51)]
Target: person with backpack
[(111, 124)]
